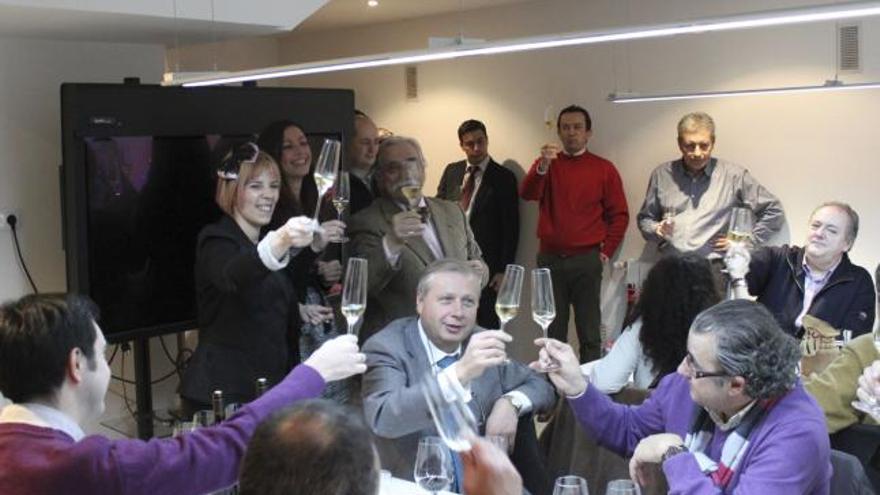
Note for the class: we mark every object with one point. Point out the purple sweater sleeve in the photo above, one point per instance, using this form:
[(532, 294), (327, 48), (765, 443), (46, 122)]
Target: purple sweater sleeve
[(207, 459), (616, 426)]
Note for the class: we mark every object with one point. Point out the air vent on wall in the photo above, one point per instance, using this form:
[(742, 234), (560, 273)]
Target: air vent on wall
[(849, 53), (411, 75)]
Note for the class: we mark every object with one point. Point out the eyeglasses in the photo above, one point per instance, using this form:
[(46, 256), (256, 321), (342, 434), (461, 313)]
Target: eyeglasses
[(696, 373)]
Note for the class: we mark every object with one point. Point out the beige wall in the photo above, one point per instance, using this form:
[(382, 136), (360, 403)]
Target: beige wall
[(804, 148)]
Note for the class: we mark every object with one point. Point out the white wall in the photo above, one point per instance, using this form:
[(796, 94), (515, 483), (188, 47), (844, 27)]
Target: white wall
[(805, 148), (31, 72)]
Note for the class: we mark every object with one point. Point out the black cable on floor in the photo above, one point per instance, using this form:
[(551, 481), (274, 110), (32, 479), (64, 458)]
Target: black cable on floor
[(12, 220)]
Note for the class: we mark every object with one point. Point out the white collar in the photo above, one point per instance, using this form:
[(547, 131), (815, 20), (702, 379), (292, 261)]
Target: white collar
[(43, 416), (482, 165), (734, 420), (434, 353)]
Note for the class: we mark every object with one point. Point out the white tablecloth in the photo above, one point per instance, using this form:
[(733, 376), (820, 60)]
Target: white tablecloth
[(397, 486)]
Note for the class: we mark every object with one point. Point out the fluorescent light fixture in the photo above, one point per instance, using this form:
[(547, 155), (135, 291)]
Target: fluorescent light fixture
[(828, 86), (800, 15)]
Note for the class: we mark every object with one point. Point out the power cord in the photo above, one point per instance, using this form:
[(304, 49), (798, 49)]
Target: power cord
[(12, 220)]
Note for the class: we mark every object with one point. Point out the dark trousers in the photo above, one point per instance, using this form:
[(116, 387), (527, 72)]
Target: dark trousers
[(486, 316), (577, 281)]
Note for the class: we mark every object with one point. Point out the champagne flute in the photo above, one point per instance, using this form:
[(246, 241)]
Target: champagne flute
[(354, 292), (326, 169), (622, 487), (341, 197), (543, 307), (871, 405), (570, 485), (433, 470), (741, 224), (507, 304)]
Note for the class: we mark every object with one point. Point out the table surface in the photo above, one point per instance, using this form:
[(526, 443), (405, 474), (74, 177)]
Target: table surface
[(397, 486)]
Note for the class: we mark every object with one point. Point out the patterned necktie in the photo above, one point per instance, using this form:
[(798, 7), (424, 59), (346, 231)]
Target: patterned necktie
[(458, 469), (467, 190)]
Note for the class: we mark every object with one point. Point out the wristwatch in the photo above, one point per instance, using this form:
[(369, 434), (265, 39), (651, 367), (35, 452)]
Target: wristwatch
[(672, 452)]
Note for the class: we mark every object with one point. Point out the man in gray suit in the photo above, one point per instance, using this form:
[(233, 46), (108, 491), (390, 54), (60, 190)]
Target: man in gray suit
[(400, 238), (467, 361)]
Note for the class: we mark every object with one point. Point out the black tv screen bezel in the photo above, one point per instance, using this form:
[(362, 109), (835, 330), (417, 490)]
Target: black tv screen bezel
[(113, 110)]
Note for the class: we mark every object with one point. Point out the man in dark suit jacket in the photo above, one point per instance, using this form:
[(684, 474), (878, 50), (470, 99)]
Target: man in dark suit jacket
[(399, 241), (360, 156), (469, 363), (487, 192)]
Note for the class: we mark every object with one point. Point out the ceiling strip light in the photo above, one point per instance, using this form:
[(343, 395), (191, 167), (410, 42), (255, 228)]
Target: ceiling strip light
[(828, 86), (741, 21)]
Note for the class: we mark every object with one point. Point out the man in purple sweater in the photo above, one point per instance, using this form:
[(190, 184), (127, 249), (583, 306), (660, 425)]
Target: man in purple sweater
[(733, 419), (52, 367)]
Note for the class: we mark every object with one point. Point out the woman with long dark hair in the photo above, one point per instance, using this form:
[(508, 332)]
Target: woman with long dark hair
[(288, 144), (654, 339)]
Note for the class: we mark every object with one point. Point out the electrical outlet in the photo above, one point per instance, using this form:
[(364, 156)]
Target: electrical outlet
[(4, 215)]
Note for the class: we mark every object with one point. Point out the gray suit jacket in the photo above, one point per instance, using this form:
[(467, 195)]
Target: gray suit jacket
[(394, 406), (391, 289)]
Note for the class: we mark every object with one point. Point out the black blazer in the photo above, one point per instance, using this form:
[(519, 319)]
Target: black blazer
[(244, 313), (494, 211), (361, 197)]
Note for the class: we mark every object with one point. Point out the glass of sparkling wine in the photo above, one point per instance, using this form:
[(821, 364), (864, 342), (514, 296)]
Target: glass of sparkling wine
[(433, 470), (412, 191), (507, 304), (354, 292), (741, 224), (543, 306), (326, 169), (570, 485), (454, 420), (341, 196), (870, 404)]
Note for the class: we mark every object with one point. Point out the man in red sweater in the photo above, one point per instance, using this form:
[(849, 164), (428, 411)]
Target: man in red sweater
[(582, 218)]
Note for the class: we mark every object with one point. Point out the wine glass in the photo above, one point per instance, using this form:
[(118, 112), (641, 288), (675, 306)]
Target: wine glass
[(741, 224), (326, 169), (622, 487), (870, 405), (570, 485), (412, 191), (454, 420), (543, 307), (354, 292), (507, 304), (203, 418), (341, 197), (433, 470)]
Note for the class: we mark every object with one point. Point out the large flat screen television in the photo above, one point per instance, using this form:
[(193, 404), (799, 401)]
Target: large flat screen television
[(138, 180)]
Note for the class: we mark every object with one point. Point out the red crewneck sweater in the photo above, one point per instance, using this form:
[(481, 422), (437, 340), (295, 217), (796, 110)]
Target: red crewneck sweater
[(581, 204)]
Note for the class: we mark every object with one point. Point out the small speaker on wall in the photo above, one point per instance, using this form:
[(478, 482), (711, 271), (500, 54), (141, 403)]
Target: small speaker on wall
[(411, 77)]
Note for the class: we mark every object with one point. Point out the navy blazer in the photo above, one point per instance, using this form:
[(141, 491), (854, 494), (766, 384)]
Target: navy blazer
[(776, 277)]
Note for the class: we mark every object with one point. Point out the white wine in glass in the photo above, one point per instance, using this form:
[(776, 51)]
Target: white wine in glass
[(354, 292), (413, 193), (543, 306), (326, 169), (741, 224), (507, 304), (341, 194)]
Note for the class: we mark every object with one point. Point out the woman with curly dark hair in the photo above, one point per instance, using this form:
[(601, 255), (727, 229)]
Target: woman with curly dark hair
[(654, 339)]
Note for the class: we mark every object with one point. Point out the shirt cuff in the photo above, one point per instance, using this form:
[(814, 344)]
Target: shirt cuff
[(391, 258), (264, 249), (451, 387), (521, 401)]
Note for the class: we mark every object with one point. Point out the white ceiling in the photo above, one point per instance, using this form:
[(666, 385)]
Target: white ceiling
[(182, 22), (347, 13), (168, 22)]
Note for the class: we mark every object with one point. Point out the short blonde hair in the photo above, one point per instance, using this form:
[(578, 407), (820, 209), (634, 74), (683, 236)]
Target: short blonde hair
[(227, 192)]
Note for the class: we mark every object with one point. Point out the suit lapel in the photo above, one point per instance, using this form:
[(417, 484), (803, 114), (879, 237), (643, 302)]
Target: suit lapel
[(485, 187), (456, 177), (443, 226), (413, 345)]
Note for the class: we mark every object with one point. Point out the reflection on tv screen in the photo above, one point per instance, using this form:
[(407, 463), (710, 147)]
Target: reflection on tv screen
[(148, 198)]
